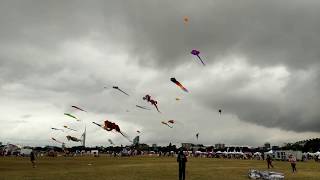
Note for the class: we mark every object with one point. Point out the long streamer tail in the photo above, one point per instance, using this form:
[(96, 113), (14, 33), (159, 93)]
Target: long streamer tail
[(97, 124), (125, 136), (157, 108), (123, 92), (201, 60)]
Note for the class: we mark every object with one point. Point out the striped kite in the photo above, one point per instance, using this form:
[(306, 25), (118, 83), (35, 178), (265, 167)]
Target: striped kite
[(179, 84)]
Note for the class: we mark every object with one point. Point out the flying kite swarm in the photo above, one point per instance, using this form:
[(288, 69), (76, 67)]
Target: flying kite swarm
[(111, 126)]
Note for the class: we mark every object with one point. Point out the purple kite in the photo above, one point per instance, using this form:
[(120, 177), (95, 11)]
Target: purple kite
[(197, 53)]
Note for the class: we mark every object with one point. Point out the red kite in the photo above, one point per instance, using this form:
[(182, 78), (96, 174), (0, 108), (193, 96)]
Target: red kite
[(152, 101)]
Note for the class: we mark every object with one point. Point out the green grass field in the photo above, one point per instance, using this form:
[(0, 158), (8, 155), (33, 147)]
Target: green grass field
[(143, 168)]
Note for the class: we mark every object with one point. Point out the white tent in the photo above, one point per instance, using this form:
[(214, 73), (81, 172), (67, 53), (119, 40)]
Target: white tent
[(269, 152)]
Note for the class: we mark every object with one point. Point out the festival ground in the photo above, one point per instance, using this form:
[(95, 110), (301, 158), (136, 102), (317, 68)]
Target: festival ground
[(142, 168)]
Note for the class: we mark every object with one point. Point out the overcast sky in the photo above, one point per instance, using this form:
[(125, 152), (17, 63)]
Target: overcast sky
[(262, 69)]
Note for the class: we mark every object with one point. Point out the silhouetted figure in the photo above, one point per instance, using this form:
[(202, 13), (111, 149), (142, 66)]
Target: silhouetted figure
[(182, 159), (269, 161), (32, 159)]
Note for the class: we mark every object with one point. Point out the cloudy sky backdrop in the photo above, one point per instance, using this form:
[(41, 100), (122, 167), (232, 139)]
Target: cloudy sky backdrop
[(263, 70)]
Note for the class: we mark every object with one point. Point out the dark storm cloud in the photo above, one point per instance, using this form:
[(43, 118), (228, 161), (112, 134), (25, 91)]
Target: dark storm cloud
[(268, 33), (291, 106)]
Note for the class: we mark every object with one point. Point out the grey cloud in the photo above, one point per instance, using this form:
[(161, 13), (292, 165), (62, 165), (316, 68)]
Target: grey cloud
[(268, 33), (26, 116), (63, 53), (293, 108)]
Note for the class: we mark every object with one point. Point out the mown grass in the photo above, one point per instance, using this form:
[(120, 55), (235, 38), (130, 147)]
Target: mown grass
[(142, 168)]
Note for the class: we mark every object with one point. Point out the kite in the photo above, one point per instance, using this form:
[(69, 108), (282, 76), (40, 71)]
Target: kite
[(78, 108), (152, 101), (69, 128), (220, 111), (57, 141), (110, 141), (197, 135), (109, 126), (97, 124), (171, 121), (143, 107), (70, 115), (136, 140), (57, 129), (179, 84), (196, 53), (186, 20), (138, 131), (166, 124), (71, 138), (116, 87)]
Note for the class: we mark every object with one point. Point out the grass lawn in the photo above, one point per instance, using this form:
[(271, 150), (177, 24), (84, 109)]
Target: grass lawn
[(143, 168)]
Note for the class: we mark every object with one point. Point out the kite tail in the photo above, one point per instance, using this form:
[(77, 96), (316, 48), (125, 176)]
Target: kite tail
[(123, 92), (181, 86), (157, 108), (72, 129), (142, 107), (97, 124), (125, 136), (185, 89), (201, 60)]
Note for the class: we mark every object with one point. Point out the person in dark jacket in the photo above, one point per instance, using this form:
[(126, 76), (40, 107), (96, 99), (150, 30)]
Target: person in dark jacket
[(182, 159), (269, 161), (32, 159)]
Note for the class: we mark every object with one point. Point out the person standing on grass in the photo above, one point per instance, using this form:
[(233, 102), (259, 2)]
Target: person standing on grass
[(32, 159), (182, 159), (269, 161), (293, 162)]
